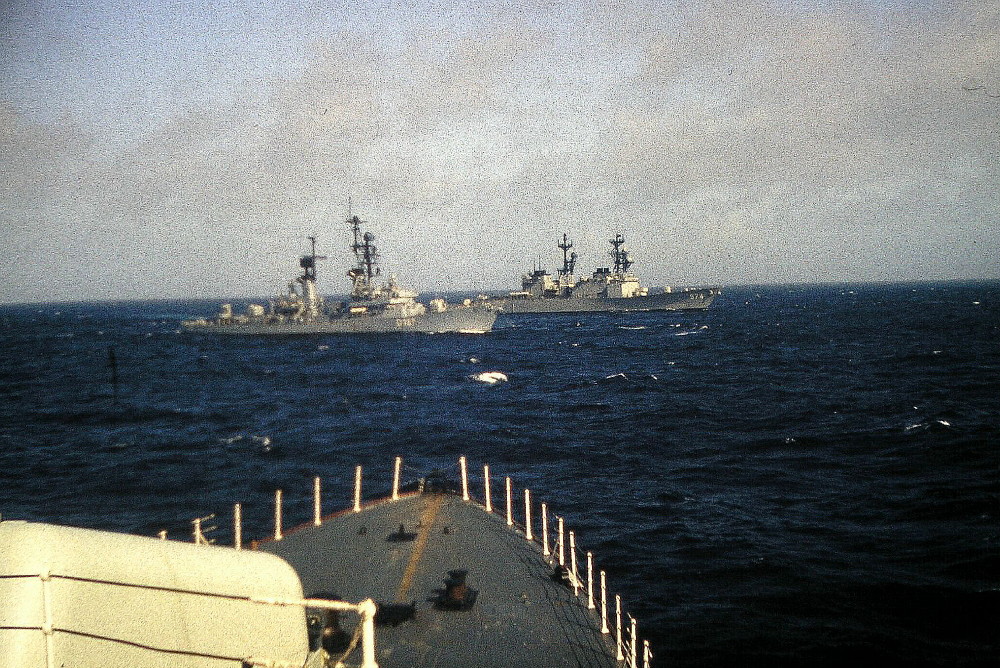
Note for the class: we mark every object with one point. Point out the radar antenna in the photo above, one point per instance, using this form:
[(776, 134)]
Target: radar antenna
[(620, 255), (308, 262), (366, 257), (569, 259)]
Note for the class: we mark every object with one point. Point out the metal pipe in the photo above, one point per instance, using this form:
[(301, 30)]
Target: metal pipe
[(486, 488), (238, 526), (545, 531), (510, 514), (367, 608), (562, 544), (317, 504), (357, 488), (618, 626), (590, 581), (397, 468), (527, 514), (465, 478), (277, 514), (572, 561), (634, 643), (604, 604)]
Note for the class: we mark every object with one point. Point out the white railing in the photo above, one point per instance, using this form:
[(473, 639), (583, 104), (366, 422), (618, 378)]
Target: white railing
[(366, 609), (626, 640)]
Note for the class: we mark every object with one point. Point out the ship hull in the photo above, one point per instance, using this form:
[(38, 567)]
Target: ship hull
[(688, 300), (474, 319)]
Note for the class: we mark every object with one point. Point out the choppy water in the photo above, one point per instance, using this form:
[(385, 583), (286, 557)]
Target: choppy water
[(802, 476)]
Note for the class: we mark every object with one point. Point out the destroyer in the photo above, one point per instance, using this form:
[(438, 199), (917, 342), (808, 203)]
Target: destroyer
[(608, 289), (371, 307)]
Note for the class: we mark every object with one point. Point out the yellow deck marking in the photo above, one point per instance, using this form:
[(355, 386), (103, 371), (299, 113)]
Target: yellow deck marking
[(426, 520)]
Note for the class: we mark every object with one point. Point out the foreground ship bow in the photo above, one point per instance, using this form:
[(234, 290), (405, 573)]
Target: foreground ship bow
[(428, 576), (609, 289), (372, 308)]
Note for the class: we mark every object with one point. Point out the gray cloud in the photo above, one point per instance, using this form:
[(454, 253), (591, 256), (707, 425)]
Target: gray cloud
[(768, 144)]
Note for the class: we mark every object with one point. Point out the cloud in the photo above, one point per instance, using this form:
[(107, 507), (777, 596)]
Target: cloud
[(763, 144)]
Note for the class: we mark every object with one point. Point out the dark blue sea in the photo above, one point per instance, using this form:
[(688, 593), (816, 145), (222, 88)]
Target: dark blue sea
[(800, 476)]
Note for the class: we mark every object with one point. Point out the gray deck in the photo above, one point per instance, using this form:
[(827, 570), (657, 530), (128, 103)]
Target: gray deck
[(521, 616)]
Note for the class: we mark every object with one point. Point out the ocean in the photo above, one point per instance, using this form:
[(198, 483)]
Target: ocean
[(799, 476)]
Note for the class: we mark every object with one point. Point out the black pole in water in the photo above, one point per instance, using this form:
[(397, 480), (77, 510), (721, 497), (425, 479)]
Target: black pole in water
[(113, 365)]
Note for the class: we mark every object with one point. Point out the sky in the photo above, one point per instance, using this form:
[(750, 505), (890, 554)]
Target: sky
[(160, 149)]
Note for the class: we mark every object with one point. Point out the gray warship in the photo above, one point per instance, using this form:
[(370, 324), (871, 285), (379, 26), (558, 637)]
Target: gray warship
[(612, 288), (372, 308), (429, 574)]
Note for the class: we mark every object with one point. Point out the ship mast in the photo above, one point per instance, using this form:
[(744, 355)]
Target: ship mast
[(569, 259), (620, 255), (308, 280), (366, 260)]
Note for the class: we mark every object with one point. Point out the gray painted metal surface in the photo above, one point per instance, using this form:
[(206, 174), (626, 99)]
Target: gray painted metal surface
[(521, 616)]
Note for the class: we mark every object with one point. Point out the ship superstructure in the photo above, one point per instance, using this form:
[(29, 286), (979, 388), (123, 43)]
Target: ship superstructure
[(610, 288), (372, 306)]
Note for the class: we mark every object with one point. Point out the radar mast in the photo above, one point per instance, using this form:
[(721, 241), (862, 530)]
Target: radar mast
[(569, 259)]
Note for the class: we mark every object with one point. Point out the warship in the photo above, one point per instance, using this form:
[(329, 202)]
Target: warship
[(371, 308), (612, 288), (429, 574)]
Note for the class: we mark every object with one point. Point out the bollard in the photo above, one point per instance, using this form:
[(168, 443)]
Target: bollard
[(527, 514), (510, 515), (545, 531), (395, 478), (486, 488), (238, 526), (277, 514), (604, 604), (590, 581), (357, 488), (163, 535), (317, 507), (618, 626), (572, 561)]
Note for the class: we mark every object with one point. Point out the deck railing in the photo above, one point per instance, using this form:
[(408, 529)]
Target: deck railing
[(626, 640)]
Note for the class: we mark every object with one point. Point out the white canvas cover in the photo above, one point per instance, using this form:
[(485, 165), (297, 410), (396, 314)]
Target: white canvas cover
[(88, 598)]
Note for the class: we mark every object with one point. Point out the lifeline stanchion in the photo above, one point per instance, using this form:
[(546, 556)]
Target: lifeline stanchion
[(465, 478), (545, 531), (357, 488), (561, 543), (317, 507), (527, 514), (634, 643), (277, 514), (590, 581), (486, 488), (618, 627), (395, 478), (646, 654), (604, 604), (572, 561), (510, 514), (238, 526)]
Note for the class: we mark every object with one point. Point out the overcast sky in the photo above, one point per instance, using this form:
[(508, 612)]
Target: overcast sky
[(169, 149)]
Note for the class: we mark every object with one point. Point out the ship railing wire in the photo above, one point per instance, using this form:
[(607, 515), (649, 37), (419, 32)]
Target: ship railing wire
[(558, 545)]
